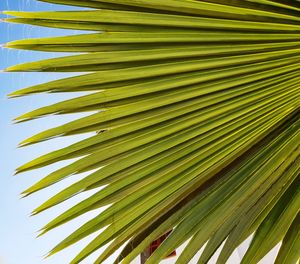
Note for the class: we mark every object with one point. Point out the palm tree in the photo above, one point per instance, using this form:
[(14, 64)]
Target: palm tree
[(195, 114)]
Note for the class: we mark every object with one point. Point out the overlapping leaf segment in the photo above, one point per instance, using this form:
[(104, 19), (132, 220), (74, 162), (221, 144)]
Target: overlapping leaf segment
[(198, 107)]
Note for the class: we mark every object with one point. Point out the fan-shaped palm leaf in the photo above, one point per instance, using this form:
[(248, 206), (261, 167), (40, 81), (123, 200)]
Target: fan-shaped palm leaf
[(197, 125)]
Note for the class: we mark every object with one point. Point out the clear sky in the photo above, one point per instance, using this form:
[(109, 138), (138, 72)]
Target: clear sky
[(17, 230)]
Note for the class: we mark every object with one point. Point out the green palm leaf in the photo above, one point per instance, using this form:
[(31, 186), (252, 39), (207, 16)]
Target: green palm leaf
[(196, 121)]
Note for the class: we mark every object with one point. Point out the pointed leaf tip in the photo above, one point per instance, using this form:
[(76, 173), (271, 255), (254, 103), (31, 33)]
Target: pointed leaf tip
[(14, 94), (10, 69), (23, 144), (17, 171), (5, 12), (53, 251), (11, 13), (23, 118), (26, 193), (33, 213), (18, 120), (41, 232), (48, 255), (4, 45)]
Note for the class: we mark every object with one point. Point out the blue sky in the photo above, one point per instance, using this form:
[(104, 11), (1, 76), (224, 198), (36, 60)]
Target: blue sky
[(17, 230)]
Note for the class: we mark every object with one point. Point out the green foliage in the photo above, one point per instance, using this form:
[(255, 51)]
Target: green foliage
[(197, 124)]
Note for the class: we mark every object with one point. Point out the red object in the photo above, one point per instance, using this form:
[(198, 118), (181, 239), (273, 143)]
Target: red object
[(155, 244)]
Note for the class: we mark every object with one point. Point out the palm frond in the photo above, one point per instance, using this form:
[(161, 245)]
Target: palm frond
[(197, 125)]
